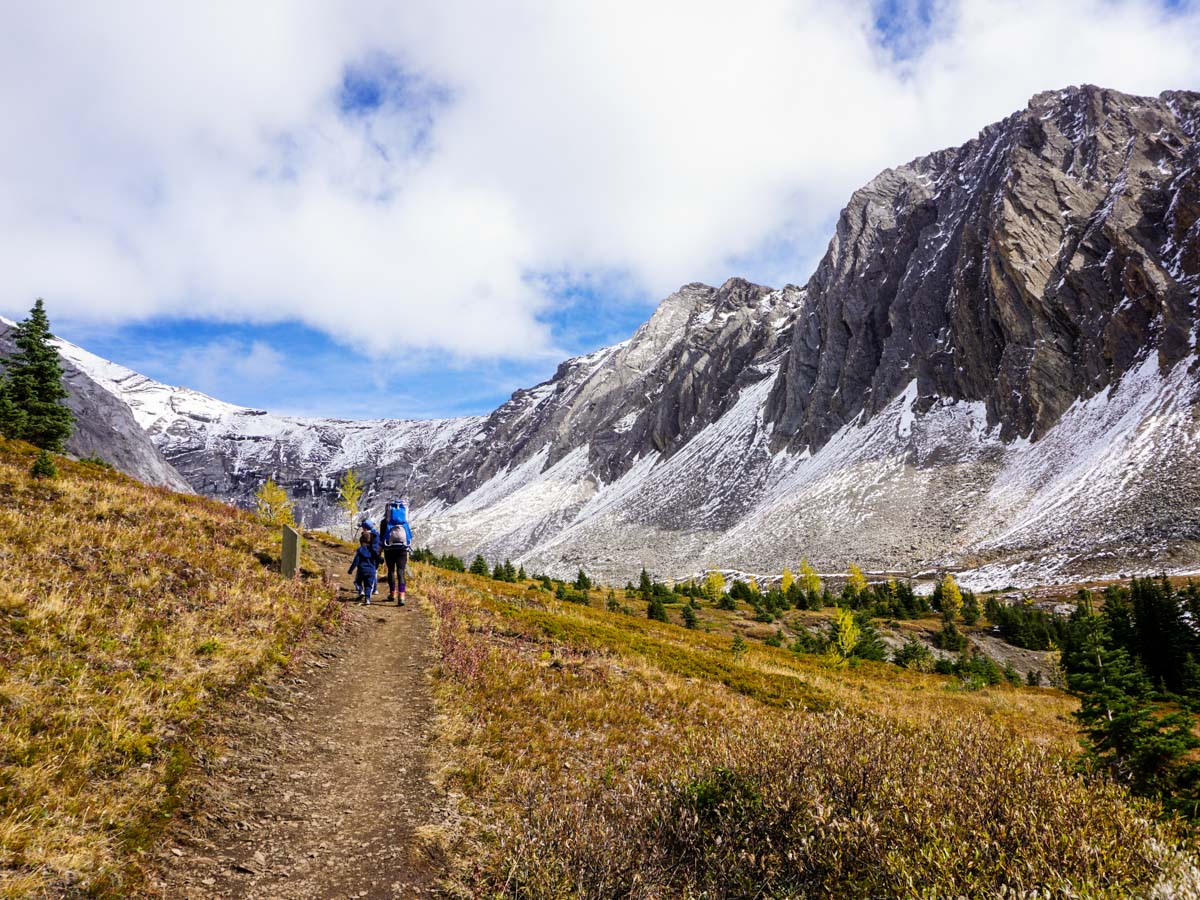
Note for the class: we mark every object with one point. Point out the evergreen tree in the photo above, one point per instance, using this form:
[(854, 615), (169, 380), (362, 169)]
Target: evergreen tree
[(582, 582), (611, 603), (1167, 646), (645, 587), (510, 572), (689, 617), (1126, 734), (43, 466), (738, 646), (33, 391), (914, 655), (1145, 744), (274, 506), (479, 566), (949, 638), (870, 645), (657, 610), (970, 608), (12, 417), (1024, 625), (795, 596), (521, 576), (498, 571)]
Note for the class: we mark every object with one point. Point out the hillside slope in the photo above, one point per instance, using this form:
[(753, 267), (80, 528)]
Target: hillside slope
[(126, 613), (600, 754), (104, 426), (994, 367)]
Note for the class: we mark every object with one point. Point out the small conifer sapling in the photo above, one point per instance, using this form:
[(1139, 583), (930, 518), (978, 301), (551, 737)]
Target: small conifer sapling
[(43, 466)]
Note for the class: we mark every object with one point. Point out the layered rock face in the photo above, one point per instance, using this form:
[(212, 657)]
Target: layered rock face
[(652, 394), (993, 367), (105, 427), (1032, 266)]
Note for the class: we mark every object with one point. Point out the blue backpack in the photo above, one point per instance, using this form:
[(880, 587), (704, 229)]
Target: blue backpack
[(396, 532)]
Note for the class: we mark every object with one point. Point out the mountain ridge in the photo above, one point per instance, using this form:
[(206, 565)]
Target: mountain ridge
[(104, 426), (923, 401)]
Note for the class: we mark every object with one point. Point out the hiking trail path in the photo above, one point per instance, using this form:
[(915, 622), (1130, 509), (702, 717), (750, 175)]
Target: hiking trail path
[(324, 783)]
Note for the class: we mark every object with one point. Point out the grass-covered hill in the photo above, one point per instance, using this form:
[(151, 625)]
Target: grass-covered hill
[(126, 614), (595, 752)]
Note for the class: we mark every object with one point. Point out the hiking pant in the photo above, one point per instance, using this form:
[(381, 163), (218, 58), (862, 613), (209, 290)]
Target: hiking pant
[(397, 560), (365, 582)]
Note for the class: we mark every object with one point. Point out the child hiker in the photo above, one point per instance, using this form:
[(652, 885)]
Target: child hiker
[(366, 561)]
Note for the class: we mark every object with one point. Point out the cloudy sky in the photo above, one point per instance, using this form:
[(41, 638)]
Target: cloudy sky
[(413, 208)]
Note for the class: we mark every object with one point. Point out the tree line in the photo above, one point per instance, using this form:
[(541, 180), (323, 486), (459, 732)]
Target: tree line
[(1133, 659)]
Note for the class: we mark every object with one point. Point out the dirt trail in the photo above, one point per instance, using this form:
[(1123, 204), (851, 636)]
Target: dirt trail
[(325, 783)]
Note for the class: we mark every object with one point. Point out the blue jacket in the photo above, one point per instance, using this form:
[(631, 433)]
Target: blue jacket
[(364, 560), (395, 517)]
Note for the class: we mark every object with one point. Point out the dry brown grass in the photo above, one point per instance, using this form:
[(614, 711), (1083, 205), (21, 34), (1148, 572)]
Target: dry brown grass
[(602, 755), (126, 613)]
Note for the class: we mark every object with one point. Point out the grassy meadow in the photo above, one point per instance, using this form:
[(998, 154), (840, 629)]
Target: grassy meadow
[(601, 754), (126, 614)]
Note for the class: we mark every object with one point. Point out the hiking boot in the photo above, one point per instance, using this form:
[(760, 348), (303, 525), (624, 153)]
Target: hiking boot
[(400, 600)]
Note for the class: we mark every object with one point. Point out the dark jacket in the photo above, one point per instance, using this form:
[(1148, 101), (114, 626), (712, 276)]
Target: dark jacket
[(364, 560), (375, 544)]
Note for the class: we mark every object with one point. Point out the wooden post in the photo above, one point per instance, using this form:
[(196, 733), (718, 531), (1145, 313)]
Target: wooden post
[(290, 562)]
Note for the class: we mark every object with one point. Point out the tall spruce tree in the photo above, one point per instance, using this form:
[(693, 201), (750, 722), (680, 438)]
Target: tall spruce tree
[(12, 417), (32, 392), (1140, 741)]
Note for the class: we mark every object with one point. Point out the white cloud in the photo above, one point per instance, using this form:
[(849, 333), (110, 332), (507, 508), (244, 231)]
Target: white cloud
[(221, 367), (191, 159)]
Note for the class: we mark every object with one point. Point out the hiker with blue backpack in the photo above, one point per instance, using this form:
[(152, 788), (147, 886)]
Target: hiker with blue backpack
[(396, 537)]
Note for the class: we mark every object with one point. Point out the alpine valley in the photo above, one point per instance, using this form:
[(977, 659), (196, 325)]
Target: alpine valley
[(994, 368)]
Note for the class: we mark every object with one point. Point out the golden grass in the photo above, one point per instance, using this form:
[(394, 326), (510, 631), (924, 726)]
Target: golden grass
[(126, 613), (585, 748)]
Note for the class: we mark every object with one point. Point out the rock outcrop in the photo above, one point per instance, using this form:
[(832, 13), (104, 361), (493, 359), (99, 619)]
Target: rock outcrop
[(1032, 266)]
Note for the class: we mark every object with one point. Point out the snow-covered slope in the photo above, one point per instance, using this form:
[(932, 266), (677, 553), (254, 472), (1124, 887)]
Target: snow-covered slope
[(994, 368), (228, 451)]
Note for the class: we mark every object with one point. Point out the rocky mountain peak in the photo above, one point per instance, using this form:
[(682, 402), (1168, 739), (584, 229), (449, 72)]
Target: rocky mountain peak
[(1025, 269)]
